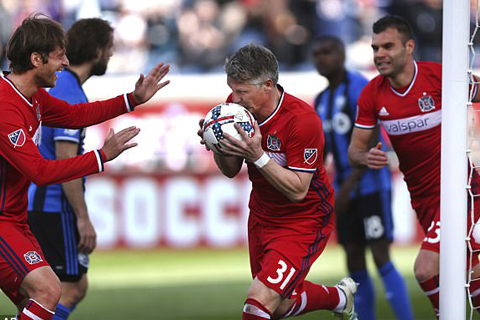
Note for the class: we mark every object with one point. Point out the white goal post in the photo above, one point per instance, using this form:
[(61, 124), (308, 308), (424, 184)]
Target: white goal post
[(453, 204)]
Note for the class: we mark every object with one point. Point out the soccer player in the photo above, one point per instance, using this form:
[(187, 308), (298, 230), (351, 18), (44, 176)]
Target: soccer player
[(362, 197), (291, 203), (36, 52), (406, 99), (58, 215)]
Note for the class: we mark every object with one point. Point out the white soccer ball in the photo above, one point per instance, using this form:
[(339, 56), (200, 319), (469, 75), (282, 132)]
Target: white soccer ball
[(221, 119)]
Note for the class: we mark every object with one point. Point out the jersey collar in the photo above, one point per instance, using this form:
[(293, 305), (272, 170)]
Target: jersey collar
[(277, 108), (415, 72), (4, 77)]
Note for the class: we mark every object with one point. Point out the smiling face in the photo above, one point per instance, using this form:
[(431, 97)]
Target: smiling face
[(390, 52), (45, 72)]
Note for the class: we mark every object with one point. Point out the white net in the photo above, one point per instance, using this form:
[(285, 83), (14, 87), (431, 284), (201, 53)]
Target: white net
[(473, 154)]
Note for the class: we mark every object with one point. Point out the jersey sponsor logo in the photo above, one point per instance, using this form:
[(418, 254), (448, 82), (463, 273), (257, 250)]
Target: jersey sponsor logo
[(310, 155), (17, 138), (39, 115), (413, 124), (426, 103), (70, 132), (38, 134), (32, 257), (383, 112), (273, 143), (84, 260), (341, 123), (278, 157)]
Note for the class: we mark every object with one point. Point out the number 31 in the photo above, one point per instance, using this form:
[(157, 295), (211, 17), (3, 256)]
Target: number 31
[(280, 273)]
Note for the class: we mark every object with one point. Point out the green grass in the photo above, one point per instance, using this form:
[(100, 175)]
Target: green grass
[(204, 284)]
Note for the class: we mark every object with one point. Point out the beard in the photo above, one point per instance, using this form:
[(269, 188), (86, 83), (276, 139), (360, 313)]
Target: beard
[(99, 68)]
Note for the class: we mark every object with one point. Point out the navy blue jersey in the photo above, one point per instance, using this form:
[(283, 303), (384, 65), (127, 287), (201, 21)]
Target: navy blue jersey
[(50, 198), (337, 109)]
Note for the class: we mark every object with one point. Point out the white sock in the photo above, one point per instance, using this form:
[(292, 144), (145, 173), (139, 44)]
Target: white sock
[(342, 301)]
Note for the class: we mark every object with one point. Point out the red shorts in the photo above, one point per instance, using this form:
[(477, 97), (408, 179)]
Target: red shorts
[(20, 253), (282, 262), (428, 212)]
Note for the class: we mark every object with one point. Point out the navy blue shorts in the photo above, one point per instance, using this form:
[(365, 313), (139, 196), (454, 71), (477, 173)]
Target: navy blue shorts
[(58, 236), (369, 218)]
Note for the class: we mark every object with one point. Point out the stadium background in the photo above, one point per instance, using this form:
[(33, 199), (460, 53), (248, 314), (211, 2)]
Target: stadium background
[(172, 230)]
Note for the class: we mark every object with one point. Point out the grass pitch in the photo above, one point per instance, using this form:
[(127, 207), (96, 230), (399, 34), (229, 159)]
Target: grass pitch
[(205, 284)]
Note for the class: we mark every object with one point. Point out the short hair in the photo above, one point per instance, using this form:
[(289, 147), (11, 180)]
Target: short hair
[(38, 33), (331, 38), (397, 22), (254, 63), (86, 37)]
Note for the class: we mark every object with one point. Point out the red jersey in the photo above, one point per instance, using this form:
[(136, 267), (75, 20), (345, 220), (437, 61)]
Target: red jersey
[(293, 137), (20, 160), (412, 120)]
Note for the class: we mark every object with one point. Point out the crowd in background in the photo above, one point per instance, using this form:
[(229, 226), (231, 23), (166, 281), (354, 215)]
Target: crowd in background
[(195, 36)]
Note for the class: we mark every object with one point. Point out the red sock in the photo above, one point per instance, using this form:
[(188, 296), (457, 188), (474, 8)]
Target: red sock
[(431, 288), (254, 310), (35, 311), (313, 297)]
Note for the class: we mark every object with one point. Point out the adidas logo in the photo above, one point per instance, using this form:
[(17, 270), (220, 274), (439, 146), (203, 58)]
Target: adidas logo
[(383, 112)]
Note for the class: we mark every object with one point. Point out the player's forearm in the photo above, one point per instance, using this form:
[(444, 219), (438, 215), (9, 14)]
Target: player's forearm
[(61, 114), (44, 172), (74, 193), (357, 157), (285, 181), (230, 166)]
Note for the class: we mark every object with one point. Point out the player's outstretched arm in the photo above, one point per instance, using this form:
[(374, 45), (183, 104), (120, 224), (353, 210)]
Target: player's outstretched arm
[(361, 155), (116, 143), (146, 87)]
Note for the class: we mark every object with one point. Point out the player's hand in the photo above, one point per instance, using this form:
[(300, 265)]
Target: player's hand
[(146, 87), (248, 148), (116, 143), (88, 236), (200, 133), (376, 157)]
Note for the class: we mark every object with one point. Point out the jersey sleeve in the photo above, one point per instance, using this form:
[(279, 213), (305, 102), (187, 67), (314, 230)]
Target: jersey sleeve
[(366, 116), (58, 113), (18, 148), (305, 145)]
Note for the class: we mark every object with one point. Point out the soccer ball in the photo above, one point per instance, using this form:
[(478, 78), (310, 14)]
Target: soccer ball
[(221, 119)]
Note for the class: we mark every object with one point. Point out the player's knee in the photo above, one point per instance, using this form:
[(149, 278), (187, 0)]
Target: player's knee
[(424, 271), (73, 292), (426, 266), (264, 295), (48, 294)]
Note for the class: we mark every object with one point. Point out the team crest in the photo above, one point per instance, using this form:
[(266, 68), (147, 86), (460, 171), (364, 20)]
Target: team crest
[(273, 143), (310, 156), (426, 103), (32, 257), (17, 138)]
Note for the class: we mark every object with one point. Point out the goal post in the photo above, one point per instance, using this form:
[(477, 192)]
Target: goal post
[(453, 204)]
